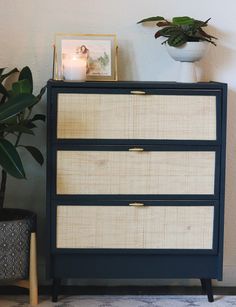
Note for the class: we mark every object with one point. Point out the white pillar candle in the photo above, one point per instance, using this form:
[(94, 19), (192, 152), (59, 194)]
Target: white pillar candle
[(74, 68)]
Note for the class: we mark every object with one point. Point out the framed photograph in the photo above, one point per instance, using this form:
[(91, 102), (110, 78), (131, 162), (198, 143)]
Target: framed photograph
[(100, 52)]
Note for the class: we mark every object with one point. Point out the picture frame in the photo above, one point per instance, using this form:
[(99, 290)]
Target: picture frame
[(100, 51)]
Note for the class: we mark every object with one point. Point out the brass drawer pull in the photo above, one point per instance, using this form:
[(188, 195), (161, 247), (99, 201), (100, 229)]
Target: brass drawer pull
[(136, 204), (137, 92), (138, 149)]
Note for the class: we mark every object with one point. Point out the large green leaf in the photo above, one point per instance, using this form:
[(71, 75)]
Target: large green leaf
[(10, 159), (39, 96), (21, 87), (15, 105), (11, 120), (150, 19), (185, 20), (36, 154), (26, 74)]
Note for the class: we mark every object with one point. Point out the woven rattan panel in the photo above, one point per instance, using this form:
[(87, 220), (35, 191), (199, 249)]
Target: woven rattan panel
[(106, 116), (174, 227), (124, 172)]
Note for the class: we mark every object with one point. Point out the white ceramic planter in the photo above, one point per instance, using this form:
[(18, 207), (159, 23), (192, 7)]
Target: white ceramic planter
[(187, 55)]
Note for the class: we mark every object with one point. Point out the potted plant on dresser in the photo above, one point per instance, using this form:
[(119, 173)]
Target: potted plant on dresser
[(16, 119), (186, 42)]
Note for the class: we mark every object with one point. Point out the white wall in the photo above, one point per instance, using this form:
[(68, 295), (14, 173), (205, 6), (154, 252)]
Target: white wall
[(27, 31)]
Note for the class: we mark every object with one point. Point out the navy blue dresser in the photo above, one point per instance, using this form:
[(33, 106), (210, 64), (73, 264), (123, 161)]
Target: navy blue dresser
[(135, 180)]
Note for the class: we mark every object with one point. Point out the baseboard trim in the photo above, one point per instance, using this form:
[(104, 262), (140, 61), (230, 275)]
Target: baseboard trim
[(119, 290)]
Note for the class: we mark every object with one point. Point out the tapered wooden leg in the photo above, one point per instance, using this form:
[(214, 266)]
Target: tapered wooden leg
[(33, 276), (55, 289)]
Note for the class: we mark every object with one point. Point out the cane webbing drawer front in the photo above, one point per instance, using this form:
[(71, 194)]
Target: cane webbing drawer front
[(156, 227), (112, 116), (124, 172)]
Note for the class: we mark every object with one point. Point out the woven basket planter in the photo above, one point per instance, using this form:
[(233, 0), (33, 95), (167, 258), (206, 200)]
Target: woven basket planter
[(16, 226)]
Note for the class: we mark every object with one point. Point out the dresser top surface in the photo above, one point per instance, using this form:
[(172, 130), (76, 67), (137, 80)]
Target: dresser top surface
[(137, 84)]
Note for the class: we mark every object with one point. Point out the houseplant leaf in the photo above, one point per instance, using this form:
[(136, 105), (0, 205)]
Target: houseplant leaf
[(26, 74), (163, 23), (21, 87), (42, 91), (10, 159), (36, 154), (41, 117), (177, 40), (169, 31), (185, 20), (16, 104), (150, 19), (10, 121), (188, 28)]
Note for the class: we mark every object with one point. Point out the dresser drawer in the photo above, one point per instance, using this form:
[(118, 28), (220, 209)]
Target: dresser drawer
[(130, 227), (126, 116), (127, 172)]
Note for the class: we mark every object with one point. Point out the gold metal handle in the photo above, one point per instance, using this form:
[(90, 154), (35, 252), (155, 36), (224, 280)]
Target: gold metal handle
[(137, 92), (136, 204), (137, 149)]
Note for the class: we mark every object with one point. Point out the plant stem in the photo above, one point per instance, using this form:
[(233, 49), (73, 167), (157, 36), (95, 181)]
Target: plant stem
[(3, 188)]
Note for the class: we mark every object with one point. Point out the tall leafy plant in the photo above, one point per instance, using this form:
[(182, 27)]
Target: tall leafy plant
[(181, 30), (16, 119)]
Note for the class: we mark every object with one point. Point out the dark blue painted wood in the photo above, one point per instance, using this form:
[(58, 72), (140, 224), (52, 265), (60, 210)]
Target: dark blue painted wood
[(136, 264), (138, 85), (119, 142), (49, 181), (136, 197), (222, 180)]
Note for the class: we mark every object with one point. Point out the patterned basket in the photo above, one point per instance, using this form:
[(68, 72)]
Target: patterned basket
[(16, 226)]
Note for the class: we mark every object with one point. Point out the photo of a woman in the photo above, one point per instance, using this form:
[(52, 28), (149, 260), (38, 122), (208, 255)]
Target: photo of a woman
[(83, 52)]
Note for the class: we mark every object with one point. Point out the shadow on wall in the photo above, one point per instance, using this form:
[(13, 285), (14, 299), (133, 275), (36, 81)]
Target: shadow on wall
[(230, 197), (219, 58)]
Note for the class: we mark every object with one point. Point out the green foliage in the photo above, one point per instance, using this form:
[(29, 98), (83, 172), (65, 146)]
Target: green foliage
[(16, 104), (151, 19), (10, 159), (181, 30), (26, 74), (16, 119)]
